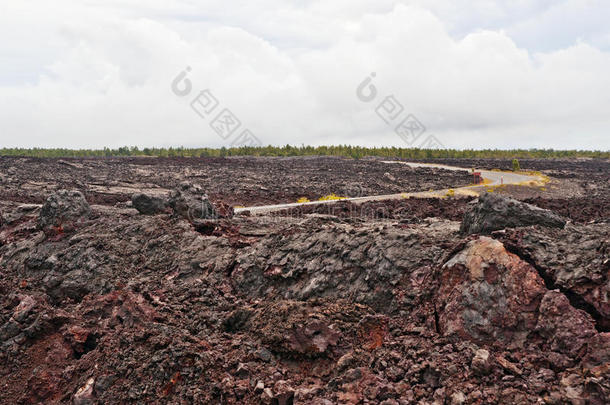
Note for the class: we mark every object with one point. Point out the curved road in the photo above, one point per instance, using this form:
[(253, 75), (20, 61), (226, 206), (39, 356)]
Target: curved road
[(494, 178)]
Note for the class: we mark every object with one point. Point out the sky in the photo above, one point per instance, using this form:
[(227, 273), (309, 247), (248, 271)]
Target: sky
[(438, 73)]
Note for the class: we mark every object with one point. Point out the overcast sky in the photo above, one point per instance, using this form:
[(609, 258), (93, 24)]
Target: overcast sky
[(474, 73)]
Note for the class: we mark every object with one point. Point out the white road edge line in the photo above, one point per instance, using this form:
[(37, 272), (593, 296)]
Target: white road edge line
[(496, 178)]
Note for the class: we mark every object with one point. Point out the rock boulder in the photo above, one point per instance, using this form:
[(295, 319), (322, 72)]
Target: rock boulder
[(64, 209), (575, 259), (149, 205), (565, 328), (189, 201), (489, 296), (494, 212)]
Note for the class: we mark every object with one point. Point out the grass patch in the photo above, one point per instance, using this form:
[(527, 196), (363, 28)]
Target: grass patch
[(331, 197)]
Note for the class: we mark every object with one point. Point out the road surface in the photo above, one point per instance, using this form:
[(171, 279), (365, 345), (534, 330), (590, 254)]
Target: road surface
[(495, 177), (491, 177)]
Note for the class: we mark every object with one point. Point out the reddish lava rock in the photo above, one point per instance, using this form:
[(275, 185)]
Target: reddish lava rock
[(63, 211), (363, 308), (488, 295), (372, 331)]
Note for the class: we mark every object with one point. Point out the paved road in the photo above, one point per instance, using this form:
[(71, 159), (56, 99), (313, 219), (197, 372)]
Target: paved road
[(493, 178)]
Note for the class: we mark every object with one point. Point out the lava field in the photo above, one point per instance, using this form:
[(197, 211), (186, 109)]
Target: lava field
[(133, 281)]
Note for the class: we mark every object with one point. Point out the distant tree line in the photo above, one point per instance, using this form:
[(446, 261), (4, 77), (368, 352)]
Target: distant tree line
[(355, 152)]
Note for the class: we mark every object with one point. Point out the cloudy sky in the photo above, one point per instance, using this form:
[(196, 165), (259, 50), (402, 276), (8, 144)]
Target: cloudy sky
[(474, 73)]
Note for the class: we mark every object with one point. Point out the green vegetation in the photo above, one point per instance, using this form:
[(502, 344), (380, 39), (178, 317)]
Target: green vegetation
[(516, 166), (355, 152)]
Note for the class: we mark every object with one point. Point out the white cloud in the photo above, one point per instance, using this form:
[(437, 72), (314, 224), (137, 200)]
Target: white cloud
[(98, 74)]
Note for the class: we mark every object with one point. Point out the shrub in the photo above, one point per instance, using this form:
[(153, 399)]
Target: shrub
[(331, 196), (516, 166)]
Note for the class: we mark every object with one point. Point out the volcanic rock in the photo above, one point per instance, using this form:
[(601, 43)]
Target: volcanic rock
[(481, 363), (148, 205), (364, 264), (491, 296), (64, 209), (84, 395), (458, 398), (494, 212), (566, 329), (314, 337), (284, 393), (30, 318), (597, 365), (488, 295), (19, 214), (149, 309), (598, 351), (575, 259), (286, 327), (189, 201)]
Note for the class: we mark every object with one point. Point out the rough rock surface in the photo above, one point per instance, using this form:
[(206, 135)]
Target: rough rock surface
[(64, 209), (408, 210), (381, 266), (481, 363), (494, 212), (189, 201), (309, 310), (236, 180), (149, 205), (314, 309), (575, 260), (579, 210), (493, 297), (488, 295), (566, 329)]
